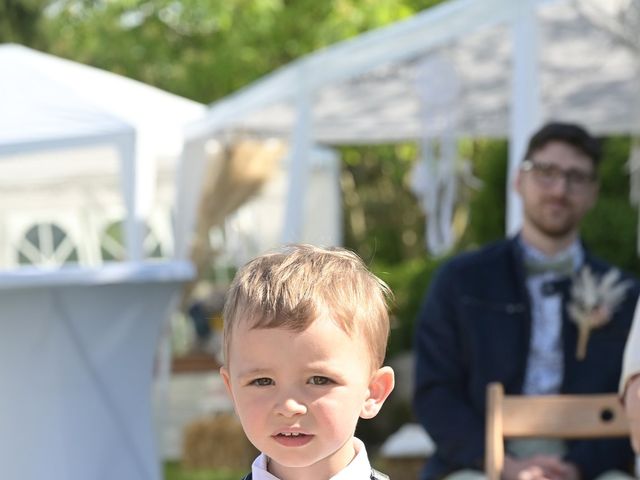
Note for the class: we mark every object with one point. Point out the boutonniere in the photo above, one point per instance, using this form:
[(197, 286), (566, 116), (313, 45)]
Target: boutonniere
[(593, 301)]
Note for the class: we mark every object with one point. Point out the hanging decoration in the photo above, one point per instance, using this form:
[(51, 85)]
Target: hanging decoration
[(436, 175)]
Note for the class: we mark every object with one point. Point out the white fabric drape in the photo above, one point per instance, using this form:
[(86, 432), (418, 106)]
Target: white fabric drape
[(434, 178), (76, 363)]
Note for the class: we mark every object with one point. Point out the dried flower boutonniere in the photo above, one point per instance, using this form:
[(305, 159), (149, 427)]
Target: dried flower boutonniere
[(593, 301)]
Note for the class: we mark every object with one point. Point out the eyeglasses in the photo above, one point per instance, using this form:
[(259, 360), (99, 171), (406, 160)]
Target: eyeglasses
[(547, 175)]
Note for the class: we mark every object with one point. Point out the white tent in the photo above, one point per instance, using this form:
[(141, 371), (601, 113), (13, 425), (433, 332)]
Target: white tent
[(513, 65), (61, 122), (82, 150), (80, 146)]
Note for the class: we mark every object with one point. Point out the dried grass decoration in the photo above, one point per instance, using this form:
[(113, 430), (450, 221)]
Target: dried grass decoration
[(217, 442), (593, 301)]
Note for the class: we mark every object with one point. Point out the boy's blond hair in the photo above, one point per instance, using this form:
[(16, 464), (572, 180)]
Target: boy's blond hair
[(291, 287)]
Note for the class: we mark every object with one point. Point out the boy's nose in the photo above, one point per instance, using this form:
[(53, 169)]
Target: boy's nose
[(290, 407)]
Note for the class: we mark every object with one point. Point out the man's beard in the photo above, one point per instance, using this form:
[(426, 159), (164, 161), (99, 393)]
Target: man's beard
[(554, 229)]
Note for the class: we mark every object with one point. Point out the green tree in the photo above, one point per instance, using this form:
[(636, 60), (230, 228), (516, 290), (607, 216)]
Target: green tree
[(206, 49), (487, 208), (382, 219), (609, 230), (20, 21)]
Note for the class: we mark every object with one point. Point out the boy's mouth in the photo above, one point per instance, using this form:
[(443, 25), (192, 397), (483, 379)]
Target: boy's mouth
[(292, 439)]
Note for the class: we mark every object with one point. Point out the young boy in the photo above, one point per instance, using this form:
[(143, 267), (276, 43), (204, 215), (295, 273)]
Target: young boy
[(305, 334)]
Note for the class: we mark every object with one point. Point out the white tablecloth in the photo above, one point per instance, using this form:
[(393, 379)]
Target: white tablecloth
[(76, 367)]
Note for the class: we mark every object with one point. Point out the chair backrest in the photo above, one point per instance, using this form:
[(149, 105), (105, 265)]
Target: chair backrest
[(547, 416)]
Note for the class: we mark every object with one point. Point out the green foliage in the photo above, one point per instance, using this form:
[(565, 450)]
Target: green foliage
[(205, 49), (609, 230), (173, 471), (487, 208), (383, 222), (612, 170), (409, 281), (20, 21), (418, 5)]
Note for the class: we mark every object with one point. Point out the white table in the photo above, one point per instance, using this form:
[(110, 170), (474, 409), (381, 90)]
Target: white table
[(76, 367)]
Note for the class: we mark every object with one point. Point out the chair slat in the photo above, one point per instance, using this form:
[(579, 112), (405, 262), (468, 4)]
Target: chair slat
[(547, 416), (564, 416)]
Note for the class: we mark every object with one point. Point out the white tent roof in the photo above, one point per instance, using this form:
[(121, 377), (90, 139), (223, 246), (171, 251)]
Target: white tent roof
[(48, 100), (50, 103), (366, 89), (515, 64)]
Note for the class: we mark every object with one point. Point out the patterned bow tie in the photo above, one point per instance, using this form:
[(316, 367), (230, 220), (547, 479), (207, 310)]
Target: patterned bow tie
[(538, 267)]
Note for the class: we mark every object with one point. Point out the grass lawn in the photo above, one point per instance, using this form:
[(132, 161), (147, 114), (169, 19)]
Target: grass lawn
[(173, 471)]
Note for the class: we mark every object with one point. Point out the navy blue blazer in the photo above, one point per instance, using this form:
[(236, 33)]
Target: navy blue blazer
[(474, 328)]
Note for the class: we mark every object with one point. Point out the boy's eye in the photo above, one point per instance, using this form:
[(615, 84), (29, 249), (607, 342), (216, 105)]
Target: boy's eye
[(320, 380), (262, 382)]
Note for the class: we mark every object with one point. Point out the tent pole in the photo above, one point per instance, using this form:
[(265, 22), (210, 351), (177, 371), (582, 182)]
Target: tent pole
[(192, 169), (298, 167), (133, 224), (525, 100)]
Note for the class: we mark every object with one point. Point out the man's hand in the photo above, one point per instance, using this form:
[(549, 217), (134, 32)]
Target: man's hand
[(539, 467)]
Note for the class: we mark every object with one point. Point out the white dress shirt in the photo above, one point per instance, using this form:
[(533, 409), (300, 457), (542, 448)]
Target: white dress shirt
[(546, 357), (358, 469)]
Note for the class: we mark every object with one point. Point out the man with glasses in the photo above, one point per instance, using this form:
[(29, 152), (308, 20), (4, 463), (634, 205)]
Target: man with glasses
[(501, 314)]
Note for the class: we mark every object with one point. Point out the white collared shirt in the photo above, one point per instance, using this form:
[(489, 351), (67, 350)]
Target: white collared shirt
[(358, 469), (545, 361)]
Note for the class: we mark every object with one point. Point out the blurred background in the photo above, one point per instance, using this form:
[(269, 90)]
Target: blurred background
[(367, 186)]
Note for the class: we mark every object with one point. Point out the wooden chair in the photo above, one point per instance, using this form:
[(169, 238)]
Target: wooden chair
[(547, 416)]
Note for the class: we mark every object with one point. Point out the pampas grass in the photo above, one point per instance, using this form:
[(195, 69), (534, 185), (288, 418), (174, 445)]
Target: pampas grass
[(217, 442)]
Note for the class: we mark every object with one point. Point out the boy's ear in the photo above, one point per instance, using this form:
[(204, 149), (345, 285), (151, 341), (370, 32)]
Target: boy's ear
[(224, 373), (380, 387)]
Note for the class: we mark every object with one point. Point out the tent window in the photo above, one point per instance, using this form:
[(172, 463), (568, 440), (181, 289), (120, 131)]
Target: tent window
[(112, 245), (46, 244)]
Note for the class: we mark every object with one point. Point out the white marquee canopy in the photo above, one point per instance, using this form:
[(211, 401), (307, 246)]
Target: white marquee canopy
[(49, 104), (494, 68)]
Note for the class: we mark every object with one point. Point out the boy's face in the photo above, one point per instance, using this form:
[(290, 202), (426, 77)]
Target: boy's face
[(299, 394)]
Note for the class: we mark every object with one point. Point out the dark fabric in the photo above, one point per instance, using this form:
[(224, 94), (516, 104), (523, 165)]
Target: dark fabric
[(200, 317), (474, 328), (376, 475)]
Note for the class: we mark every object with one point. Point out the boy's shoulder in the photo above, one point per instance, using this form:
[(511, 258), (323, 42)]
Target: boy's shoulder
[(375, 475)]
